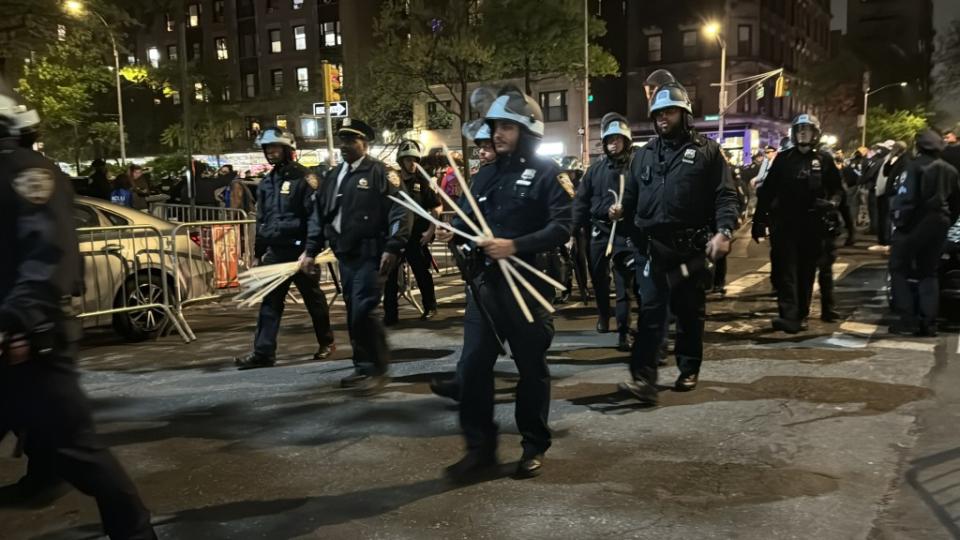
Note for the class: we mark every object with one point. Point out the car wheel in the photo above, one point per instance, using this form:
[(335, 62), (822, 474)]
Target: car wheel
[(144, 324)]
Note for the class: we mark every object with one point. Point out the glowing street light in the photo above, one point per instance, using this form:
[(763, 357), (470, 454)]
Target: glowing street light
[(713, 30)]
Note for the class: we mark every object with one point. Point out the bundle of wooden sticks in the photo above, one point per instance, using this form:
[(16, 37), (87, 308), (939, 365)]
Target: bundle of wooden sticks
[(258, 282)]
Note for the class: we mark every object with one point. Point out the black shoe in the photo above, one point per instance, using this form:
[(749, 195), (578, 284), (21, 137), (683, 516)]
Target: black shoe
[(640, 389), (850, 242), (603, 325), (900, 329), (474, 466), (785, 325), (28, 494), (623, 342), (926, 330), (719, 289), (686, 383), (449, 388), (254, 361), (390, 321), (829, 316), (324, 352), (428, 314), (371, 385), (353, 380), (529, 467)]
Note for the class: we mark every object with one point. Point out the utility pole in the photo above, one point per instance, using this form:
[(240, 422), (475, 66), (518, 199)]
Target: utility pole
[(586, 84), (185, 97), (328, 121)]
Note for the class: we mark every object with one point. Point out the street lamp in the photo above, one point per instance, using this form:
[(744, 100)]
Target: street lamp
[(866, 98), (77, 9), (713, 30)]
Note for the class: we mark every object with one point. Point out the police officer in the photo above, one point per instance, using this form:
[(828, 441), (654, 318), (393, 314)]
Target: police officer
[(40, 395), (683, 203), (799, 203), (416, 253), (367, 232), (529, 214), (288, 230), (597, 193), (925, 203)]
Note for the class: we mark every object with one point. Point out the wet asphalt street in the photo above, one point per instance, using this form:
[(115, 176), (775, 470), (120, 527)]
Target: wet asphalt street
[(840, 432)]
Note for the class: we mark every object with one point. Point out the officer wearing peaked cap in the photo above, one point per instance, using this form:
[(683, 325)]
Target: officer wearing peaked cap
[(528, 212), (416, 253), (287, 230), (597, 193), (40, 395), (367, 233), (684, 206)]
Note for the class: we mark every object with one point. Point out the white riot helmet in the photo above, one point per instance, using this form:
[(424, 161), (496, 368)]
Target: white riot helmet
[(275, 135), (515, 106), (477, 130), (15, 119)]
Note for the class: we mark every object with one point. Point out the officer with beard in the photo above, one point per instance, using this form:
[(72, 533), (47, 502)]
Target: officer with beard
[(528, 212), (799, 203), (683, 203), (597, 193), (416, 253)]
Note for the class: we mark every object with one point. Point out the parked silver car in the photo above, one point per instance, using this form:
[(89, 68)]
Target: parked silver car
[(129, 261)]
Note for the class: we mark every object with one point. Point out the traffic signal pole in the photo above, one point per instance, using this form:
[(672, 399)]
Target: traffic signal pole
[(328, 121)]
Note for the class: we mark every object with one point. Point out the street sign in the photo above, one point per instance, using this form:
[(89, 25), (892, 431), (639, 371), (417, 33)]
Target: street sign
[(712, 117), (338, 109), (760, 92)]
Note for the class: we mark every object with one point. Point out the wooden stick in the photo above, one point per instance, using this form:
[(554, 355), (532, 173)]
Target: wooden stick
[(466, 193), (446, 198), (505, 268), (533, 292)]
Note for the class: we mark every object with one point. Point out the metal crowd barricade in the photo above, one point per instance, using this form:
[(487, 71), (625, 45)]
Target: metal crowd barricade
[(184, 213), (128, 271), (209, 256)]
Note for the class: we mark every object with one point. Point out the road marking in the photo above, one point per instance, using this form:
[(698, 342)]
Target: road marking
[(838, 270), (861, 329), (743, 283), (903, 345)]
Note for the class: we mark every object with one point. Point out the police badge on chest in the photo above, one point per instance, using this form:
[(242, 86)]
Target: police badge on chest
[(689, 155), (285, 187)]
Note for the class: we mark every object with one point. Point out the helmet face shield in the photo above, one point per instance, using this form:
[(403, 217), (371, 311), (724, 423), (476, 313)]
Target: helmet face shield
[(671, 95), (517, 107), (805, 134)]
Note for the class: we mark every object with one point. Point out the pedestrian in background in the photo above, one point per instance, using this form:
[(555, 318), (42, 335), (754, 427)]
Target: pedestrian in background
[(99, 181), (893, 166), (122, 193)]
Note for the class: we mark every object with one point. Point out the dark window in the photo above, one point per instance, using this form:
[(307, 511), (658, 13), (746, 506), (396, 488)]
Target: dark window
[(248, 46), (116, 219), (745, 40), (195, 50), (655, 48), (437, 115), (84, 216), (272, 6), (554, 105), (276, 80), (172, 53), (250, 85), (690, 44), (218, 11), (245, 8)]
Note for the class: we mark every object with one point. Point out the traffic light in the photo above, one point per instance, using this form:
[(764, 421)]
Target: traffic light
[(779, 87), (332, 82)]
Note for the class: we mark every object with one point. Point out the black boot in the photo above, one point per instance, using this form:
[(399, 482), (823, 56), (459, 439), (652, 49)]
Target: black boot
[(786, 325), (428, 314), (829, 315), (530, 466), (603, 325), (686, 383), (254, 360), (449, 388), (325, 352), (474, 466), (623, 342), (640, 389)]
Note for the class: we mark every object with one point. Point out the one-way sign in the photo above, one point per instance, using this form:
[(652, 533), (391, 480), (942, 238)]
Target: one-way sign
[(338, 109)]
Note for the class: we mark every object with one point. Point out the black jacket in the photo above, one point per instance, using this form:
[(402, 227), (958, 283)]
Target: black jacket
[(420, 190), (521, 198), (38, 239), (594, 199), (686, 185), (798, 182), (928, 189), (370, 223), (286, 213), (892, 172)]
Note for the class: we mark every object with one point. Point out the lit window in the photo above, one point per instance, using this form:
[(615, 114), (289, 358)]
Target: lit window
[(282, 121), (331, 34), (225, 93), (175, 96), (276, 80), (222, 53), (300, 38), (153, 55), (61, 32), (194, 15), (199, 94), (303, 79), (275, 45), (250, 85), (172, 53), (655, 48), (297, 4), (131, 59), (169, 23)]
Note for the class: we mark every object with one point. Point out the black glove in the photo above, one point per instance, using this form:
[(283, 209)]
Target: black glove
[(758, 231)]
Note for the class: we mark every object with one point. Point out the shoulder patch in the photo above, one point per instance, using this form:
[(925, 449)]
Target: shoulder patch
[(394, 178), (312, 180), (35, 185), (567, 184)]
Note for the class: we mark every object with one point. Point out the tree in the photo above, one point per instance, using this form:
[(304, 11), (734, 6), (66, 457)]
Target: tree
[(552, 39), (902, 125), (946, 75), (832, 88)]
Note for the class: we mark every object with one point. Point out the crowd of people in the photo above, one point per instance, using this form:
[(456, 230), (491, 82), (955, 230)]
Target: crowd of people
[(659, 219)]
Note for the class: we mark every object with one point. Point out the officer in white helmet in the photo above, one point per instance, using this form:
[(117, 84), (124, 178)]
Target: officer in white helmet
[(416, 254), (40, 395), (288, 229), (529, 213)]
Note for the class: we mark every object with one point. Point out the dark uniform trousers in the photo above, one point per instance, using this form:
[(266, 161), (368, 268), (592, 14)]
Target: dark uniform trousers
[(828, 256), (419, 259), (624, 278), (362, 287), (795, 253), (686, 300), (45, 405), (271, 310), (528, 344), (916, 253)]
